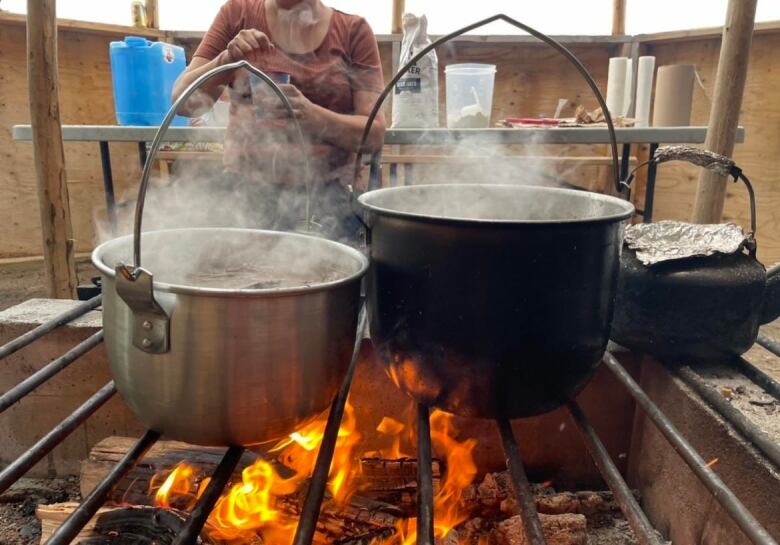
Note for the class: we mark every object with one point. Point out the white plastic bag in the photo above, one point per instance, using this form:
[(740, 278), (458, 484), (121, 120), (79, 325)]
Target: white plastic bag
[(416, 95)]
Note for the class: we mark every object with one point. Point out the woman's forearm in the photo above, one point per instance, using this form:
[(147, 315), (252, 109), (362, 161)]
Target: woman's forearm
[(209, 92), (346, 131)]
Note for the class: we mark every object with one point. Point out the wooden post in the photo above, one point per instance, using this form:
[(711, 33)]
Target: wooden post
[(619, 17), (398, 13), (152, 14), (726, 103), (47, 145)]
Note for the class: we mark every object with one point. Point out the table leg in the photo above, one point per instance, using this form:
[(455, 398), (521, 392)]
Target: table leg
[(652, 170), (142, 153), (108, 185), (624, 161)]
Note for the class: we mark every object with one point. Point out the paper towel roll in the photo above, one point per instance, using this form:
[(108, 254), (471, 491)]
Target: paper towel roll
[(629, 87), (674, 95), (616, 84), (644, 90)]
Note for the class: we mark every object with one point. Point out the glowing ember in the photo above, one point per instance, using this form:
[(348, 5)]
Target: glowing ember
[(712, 462)]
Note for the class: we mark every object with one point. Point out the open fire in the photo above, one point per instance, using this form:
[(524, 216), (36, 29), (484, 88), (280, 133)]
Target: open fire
[(255, 506)]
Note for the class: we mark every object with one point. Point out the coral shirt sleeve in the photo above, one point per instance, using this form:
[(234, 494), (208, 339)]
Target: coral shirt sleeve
[(365, 66), (226, 25)]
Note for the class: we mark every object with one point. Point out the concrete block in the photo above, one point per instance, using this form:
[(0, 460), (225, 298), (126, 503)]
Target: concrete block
[(676, 502), (36, 414)]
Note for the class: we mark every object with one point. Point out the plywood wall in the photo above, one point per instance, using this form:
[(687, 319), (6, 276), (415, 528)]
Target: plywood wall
[(86, 98), (530, 80), (759, 156)]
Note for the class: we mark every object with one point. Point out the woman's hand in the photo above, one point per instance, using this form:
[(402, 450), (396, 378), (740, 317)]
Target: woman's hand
[(304, 110), (246, 43)]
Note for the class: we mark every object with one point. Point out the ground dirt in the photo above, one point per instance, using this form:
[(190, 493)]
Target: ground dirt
[(18, 523)]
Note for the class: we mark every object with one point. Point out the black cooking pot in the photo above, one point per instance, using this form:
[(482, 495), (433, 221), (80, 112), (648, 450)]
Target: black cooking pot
[(492, 300), (701, 307)]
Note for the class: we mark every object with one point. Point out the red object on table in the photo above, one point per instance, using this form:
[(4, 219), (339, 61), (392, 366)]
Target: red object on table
[(533, 121)]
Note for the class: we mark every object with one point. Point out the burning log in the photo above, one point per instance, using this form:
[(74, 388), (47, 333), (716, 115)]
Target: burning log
[(362, 519), (118, 525), (388, 481), (393, 481)]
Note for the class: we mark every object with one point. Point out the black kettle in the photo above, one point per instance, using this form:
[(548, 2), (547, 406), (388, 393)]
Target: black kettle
[(701, 307)]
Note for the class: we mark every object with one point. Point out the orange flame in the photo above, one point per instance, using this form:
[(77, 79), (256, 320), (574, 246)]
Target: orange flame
[(461, 471), (179, 485), (393, 429), (251, 506)]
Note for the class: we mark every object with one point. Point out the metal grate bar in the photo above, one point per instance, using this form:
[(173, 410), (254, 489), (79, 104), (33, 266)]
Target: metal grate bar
[(310, 512), (76, 521), (200, 514), (722, 494), (531, 523), (643, 530), (425, 528), (34, 334), (770, 344), (759, 377), (741, 423), (23, 463), (49, 370)]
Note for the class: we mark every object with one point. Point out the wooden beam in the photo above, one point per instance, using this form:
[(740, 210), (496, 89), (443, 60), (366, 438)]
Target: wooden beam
[(152, 14), (398, 13), (56, 226), (726, 104), (619, 17)]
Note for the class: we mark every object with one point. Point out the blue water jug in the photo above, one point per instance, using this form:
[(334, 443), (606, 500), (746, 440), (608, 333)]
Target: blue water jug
[(143, 73)]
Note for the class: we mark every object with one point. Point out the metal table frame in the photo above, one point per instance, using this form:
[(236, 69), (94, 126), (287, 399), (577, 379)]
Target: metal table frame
[(627, 137)]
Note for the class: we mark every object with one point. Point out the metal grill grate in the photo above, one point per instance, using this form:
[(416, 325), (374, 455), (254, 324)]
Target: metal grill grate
[(304, 535)]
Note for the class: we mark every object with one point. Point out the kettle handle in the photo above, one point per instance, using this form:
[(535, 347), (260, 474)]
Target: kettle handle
[(725, 166), (560, 48)]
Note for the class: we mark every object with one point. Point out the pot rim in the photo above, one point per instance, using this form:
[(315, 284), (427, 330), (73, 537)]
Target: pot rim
[(97, 261), (628, 208)]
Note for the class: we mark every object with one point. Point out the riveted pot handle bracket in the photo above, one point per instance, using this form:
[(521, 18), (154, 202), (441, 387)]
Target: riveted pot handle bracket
[(151, 324)]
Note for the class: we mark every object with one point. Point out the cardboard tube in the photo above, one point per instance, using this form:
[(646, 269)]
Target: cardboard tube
[(616, 85), (644, 90), (674, 95), (629, 87)]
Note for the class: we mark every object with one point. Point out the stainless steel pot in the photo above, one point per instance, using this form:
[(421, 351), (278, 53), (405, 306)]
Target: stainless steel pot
[(243, 365), (227, 336)]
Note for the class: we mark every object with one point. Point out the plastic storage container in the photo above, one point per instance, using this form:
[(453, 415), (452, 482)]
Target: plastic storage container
[(469, 95), (143, 74)]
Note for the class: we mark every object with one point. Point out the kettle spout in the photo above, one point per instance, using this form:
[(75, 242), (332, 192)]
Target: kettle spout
[(770, 307)]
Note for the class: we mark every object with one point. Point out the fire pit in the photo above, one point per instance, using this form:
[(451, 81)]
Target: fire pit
[(380, 493)]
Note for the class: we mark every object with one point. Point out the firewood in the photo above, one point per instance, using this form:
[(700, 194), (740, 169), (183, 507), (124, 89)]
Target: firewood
[(394, 481), (568, 529), (388, 481), (360, 516), (161, 459), (117, 525)]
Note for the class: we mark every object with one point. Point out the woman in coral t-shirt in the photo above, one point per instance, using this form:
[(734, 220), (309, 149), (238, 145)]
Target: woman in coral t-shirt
[(333, 62)]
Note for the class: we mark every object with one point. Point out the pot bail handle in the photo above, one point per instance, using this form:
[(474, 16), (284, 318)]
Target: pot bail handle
[(135, 285), (725, 166), (560, 48)]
